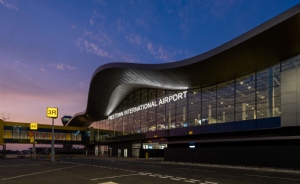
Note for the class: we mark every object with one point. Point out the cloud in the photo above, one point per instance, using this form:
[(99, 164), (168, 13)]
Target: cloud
[(87, 33), (92, 22), (73, 26), (61, 66), (150, 47), (140, 21), (93, 48), (70, 67), (134, 38), (81, 84), (9, 4), (158, 51), (121, 24)]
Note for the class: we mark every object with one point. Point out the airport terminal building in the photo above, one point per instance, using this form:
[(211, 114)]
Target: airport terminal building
[(238, 104)]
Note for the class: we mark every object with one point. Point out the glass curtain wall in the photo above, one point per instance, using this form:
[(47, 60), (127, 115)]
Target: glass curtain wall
[(253, 96)]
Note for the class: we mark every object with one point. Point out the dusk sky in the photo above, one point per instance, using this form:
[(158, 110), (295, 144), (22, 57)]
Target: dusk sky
[(49, 49)]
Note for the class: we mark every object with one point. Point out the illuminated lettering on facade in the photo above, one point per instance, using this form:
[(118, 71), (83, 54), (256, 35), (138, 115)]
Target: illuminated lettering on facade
[(161, 101)]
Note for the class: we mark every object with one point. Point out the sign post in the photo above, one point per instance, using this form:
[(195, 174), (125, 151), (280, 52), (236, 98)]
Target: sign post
[(52, 112), (34, 126)]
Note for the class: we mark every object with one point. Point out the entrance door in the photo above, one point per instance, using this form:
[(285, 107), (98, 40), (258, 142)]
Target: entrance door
[(136, 152), (125, 152)]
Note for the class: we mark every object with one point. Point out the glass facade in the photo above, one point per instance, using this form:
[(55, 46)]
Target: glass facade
[(24, 134), (253, 96)]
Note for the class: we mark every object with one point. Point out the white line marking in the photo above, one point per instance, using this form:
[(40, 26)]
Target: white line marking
[(210, 182), (113, 177), (195, 180), (149, 165), (189, 181), (39, 172), (110, 182), (164, 176), (272, 177), (195, 170)]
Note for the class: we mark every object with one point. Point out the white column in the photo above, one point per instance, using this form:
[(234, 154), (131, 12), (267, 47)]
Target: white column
[(209, 113), (243, 111), (184, 113)]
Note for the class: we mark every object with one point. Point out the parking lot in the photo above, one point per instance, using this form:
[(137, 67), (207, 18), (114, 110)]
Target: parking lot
[(110, 170)]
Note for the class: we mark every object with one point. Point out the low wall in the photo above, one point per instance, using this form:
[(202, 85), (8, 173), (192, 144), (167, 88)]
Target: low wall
[(274, 156)]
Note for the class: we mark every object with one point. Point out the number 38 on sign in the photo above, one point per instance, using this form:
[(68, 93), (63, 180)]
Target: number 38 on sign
[(52, 112)]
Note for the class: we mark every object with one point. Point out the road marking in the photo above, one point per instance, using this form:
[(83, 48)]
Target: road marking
[(149, 165), (195, 170), (110, 182), (40, 172), (210, 182), (195, 180), (165, 176), (190, 181), (153, 175), (272, 177), (113, 177)]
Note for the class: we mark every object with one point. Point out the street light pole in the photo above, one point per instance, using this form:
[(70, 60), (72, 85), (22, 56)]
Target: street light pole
[(52, 142), (34, 150)]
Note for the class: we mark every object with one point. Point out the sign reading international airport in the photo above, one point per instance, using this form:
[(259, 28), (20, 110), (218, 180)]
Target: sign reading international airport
[(52, 112), (33, 126), (161, 101)]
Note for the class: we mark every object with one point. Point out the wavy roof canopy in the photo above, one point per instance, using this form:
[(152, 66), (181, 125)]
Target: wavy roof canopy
[(275, 40)]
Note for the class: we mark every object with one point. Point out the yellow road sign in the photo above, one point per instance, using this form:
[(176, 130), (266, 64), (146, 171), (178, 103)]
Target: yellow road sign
[(52, 112), (33, 126)]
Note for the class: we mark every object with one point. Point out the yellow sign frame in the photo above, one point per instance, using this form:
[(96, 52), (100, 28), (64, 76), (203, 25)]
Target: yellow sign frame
[(52, 112), (33, 126)]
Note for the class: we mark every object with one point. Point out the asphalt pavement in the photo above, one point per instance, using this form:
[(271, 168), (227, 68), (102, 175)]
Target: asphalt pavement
[(117, 170)]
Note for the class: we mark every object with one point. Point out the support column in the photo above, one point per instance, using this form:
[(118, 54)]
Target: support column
[(209, 113), (244, 111), (183, 114), (270, 98)]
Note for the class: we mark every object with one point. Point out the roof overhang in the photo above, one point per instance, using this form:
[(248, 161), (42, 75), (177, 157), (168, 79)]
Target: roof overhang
[(275, 40)]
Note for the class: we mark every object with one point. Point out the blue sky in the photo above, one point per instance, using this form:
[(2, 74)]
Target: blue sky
[(49, 49)]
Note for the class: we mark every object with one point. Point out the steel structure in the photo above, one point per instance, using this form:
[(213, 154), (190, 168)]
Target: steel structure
[(267, 44)]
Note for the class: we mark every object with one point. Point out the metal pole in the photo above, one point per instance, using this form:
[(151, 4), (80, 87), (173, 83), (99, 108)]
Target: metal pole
[(52, 148), (34, 150)]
